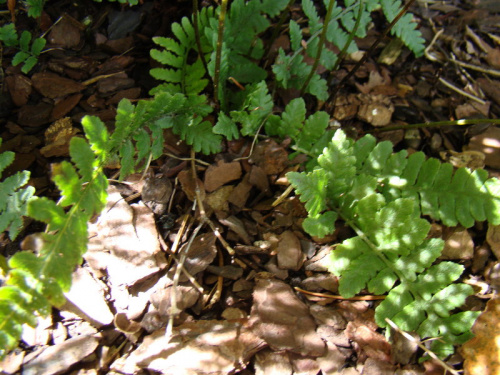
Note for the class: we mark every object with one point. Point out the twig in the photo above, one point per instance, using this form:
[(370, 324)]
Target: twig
[(440, 123), (421, 346), (331, 296), (218, 52), (461, 92)]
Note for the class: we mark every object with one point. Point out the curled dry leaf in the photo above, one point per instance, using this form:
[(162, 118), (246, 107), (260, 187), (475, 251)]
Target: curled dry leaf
[(220, 174)]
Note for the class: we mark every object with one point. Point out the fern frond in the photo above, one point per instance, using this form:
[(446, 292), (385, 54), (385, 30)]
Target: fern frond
[(37, 280), (405, 29), (382, 195), (182, 76)]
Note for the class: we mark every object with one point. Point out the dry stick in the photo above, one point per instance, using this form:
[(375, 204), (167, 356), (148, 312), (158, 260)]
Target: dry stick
[(365, 57), (421, 346), (197, 34), (331, 296), (218, 52), (439, 123), (321, 43), (173, 311)]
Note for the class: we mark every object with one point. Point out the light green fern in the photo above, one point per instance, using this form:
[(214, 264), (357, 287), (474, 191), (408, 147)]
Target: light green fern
[(36, 279), (382, 195)]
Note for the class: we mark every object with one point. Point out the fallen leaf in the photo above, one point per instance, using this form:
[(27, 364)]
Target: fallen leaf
[(371, 343), (19, 88), (54, 86), (220, 174), (59, 358), (493, 239), (269, 362), (57, 138), (289, 252), (482, 352), (214, 347), (489, 144), (458, 245), (282, 320), (67, 33)]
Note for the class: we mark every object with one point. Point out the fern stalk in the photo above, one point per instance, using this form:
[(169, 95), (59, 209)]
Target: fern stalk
[(440, 123), (322, 39), (197, 34), (348, 43), (218, 52)]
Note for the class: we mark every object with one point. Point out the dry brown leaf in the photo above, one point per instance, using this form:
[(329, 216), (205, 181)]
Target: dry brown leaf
[(458, 245), (289, 251), (270, 156), (376, 110), (493, 239), (482, 353), (53, 86), (19, 88), (203, 347), (220, 174), (371, 344), (58, 137), (282, 320), (489, 144)]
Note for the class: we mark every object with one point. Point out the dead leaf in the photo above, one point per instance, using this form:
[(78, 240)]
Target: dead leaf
[(189, 185), (269, 362), (482, 353), (201, 253), (59, 358), (289, 251), (35, 115), (58, 137), (493, 58), (493, 239), (470, 159), (214, 347), (67, 33), (282, 320), (19, 88), (371, 344), (124, 241), (458, 245), (270, 156), (93, 306), (489, 144), (54, 86), (376, 110), (219, 199), (64, 106), (220, 174)]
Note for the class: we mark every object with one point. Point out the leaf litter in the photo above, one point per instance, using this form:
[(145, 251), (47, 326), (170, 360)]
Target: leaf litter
[(121, 299)]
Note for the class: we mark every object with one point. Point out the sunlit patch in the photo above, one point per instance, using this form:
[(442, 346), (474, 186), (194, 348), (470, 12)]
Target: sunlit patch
[(491, 142)]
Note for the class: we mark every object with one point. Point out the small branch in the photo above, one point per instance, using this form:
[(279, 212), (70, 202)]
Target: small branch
[(331, 296), (440, 123)]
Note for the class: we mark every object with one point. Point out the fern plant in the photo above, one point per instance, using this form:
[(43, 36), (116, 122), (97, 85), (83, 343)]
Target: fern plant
[(382, 195), (30, 48)]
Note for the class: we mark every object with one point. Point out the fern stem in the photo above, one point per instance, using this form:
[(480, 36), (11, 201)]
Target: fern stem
[(197, 34), (440, 123), (277, 28), (368, 53), (218, 52), (349, 41), (321, 43), (363, 236)]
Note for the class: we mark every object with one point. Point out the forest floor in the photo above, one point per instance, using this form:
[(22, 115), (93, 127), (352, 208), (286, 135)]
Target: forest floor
[(272, 307)]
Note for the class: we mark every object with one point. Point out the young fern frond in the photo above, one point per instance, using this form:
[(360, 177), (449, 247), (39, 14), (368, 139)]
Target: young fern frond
[(382, 195), (309, 135), (182, 76)]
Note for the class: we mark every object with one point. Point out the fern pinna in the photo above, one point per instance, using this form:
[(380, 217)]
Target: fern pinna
[(382, 196)]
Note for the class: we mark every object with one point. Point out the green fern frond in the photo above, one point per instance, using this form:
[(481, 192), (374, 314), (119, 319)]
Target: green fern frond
[(38, 280), (182, 76), (382, 196), (405, 29)]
